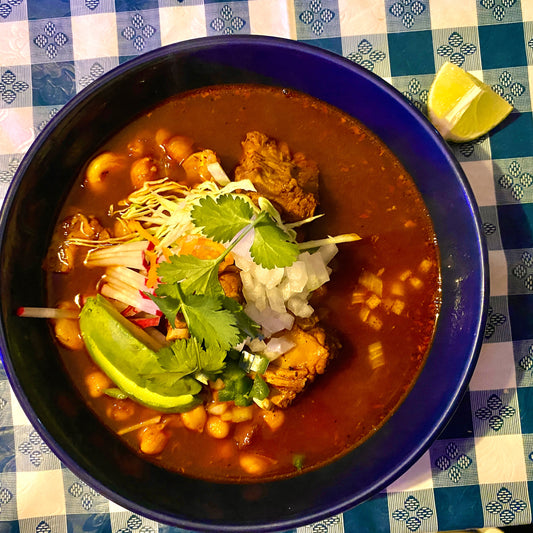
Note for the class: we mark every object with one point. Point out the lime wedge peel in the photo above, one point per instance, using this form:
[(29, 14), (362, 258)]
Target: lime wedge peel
[(463, 108)]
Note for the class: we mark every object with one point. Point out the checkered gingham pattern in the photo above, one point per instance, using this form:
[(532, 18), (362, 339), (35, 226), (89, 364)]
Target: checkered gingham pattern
[(480, 470)]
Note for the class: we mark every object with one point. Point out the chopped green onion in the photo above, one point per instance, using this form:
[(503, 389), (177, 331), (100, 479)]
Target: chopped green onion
[(259, 389), (298, 460), (237, 385), (251, 362)]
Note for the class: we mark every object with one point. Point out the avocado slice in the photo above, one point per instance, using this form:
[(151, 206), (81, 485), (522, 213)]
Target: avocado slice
[(128, 355)]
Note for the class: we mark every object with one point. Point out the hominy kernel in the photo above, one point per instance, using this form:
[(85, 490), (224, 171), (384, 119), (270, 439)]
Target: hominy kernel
[(195, 419), (416, 283), (425, 266), (253, 464), (397, 307), (67, 331), (217, 428), (162, 135), (153, 439), (373, 301), (101, 166), (274, 419), (121, 410), (179, 147), (363, 314), (97, 383), (143, 170), (374, 322)]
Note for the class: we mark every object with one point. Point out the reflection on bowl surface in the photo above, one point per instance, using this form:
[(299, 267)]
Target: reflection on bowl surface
[(385, 209)]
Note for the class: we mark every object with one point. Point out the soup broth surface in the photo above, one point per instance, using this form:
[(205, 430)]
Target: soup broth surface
[(385, 333)]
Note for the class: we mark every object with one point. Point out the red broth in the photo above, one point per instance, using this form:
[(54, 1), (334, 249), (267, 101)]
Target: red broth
[(385, 334)]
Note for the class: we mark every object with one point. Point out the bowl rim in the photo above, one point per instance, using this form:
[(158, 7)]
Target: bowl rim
[(417, 451)]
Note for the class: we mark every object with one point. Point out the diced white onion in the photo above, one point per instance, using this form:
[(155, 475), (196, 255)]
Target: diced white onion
[(299, 306), (328, 252), (277, 346), (270, 321), (240, 347), (218, 173), (297, 276), (270, 278), (246, 278), (257, 345), (270, 292), (285, 288), (275, 300), (316, 270)]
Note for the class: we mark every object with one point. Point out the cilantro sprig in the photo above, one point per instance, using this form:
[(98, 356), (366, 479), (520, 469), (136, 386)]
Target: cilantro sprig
[(190, 285)]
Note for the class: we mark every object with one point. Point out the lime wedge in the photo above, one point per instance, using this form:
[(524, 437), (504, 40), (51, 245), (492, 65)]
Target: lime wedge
[(463, 108), (126, 353)]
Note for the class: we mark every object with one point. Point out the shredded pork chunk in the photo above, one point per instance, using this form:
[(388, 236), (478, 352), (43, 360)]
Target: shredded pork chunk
[(289, 182), (61, 253), (290, 373)]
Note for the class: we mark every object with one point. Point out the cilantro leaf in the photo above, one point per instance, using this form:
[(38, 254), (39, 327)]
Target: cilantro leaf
[(179, 358), (272, 247), (209, 322), (212, 360), (178, 362), (246, 325), (195, 275), (171, 384), (223, 218), (186, 356), (168, 299), (190, 285)]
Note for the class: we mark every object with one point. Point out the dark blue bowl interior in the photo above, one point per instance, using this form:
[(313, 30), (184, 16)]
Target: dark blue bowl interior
[(30, 357)]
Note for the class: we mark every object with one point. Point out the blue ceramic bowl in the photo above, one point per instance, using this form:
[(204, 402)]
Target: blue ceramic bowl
[(30, 357)]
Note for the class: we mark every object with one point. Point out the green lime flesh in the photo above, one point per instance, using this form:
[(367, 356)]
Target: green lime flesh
[(119, 348)]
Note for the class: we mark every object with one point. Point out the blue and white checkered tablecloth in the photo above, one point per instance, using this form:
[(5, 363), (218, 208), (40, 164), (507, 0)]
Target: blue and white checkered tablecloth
[(480, 470)]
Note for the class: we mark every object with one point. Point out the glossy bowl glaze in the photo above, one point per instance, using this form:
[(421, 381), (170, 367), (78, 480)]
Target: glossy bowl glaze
[(36, 373)]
